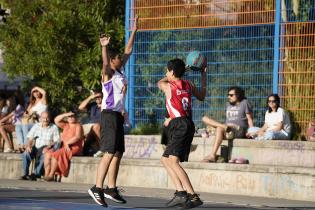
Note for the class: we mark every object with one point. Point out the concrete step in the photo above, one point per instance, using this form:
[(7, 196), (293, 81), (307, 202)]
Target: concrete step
[(274, 153), (297, 183)]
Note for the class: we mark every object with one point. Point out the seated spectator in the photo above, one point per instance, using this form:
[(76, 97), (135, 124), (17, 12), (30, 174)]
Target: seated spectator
[(5, 126), (10, 123), (58, 161), (238, 119), (37, 105), (41, 137), (93, 128), (4, 108), (310, 132), (277, 122), (18, 94)]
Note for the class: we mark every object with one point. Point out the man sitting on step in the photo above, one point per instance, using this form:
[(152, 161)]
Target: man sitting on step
[(41, 137), (238, 118)]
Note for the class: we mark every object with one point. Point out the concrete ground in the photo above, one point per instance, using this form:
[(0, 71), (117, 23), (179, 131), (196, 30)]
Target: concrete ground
[(40, 195)]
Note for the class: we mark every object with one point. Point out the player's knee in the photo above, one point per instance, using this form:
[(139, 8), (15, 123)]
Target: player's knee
[(118, 155), (173, 161), (163, 160), (220, 130), (204, 119)]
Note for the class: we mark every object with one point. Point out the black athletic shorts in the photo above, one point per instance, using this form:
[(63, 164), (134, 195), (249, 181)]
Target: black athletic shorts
[(112, 132), (180, 133)]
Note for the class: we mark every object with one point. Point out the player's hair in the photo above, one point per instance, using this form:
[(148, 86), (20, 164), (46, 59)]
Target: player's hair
[(113, 53), (177, 66)]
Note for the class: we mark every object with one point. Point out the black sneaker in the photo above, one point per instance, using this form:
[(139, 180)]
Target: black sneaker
[(33, 177), (180, 199), (195, 200), (98, 196), (114, 195), (25, 177)]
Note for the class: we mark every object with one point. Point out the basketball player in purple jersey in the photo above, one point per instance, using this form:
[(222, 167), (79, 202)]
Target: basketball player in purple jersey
[(114, 87)]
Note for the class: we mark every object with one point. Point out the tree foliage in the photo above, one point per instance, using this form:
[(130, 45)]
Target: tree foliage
[(55, 44)]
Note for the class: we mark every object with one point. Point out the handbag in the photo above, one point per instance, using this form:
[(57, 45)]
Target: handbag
[(29, 119)]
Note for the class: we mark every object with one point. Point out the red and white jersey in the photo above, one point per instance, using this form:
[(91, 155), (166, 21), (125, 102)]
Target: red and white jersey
[(179, 104)]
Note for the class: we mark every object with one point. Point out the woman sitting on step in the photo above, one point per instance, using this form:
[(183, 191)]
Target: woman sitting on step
[(58, 161), (10, 123), (277, 122)]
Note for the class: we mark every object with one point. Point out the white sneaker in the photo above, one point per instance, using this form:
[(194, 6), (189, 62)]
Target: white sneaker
[(98, 154), (8, 150)]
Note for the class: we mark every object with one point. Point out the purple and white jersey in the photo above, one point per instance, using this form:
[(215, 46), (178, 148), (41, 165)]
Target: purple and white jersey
[(113, 97)]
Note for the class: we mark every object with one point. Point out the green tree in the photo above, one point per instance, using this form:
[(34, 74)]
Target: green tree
[(55, 44)]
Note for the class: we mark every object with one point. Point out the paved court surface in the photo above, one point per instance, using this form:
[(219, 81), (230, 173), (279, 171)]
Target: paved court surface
[(26, 195), (15, 199)]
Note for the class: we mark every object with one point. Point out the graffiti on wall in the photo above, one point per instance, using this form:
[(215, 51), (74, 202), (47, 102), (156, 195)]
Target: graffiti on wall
[(141, 147)]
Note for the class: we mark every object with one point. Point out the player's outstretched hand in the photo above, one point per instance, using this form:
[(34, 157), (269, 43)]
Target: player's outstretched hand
[(135, 24), (104, 40)]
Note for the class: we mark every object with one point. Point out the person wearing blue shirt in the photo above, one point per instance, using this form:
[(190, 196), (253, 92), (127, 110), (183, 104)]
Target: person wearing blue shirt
[(92, 128)]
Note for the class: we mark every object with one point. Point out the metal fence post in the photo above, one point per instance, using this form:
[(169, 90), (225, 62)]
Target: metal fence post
[(129, 104), (276, 51)]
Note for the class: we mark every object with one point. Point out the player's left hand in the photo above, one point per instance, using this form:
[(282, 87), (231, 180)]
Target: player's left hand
[(135, 24)]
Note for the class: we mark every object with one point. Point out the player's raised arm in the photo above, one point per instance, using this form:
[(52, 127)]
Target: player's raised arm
[(104, 40), (129, 46), (201, 94)]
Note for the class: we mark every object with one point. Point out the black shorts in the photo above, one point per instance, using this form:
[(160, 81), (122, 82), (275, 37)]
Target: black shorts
[(240, 133), (112, 132), (180, 133), (164, 138)]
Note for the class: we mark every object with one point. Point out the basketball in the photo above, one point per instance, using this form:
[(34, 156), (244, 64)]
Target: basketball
[(195, 61)]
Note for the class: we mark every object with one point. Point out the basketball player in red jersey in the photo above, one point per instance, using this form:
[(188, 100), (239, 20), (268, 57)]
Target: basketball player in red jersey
[(181, 130)]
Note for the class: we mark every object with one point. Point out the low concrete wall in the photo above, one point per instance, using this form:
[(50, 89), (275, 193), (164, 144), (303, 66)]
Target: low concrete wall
[(276, 153), (11, 166), (254, 180), (151, 148)]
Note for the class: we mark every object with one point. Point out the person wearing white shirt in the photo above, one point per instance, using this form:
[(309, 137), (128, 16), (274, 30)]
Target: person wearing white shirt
[(277, 122), (5, 127), (41, 137), (37, 104), (4, 108)]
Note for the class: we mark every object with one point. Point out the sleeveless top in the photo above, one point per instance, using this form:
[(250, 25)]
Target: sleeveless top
[(18, 114), (113, 96), (39, 108), (179, 104)]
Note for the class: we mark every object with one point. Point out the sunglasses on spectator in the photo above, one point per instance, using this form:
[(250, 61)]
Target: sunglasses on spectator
[(71, 116), (271, 101), (231, 95)]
